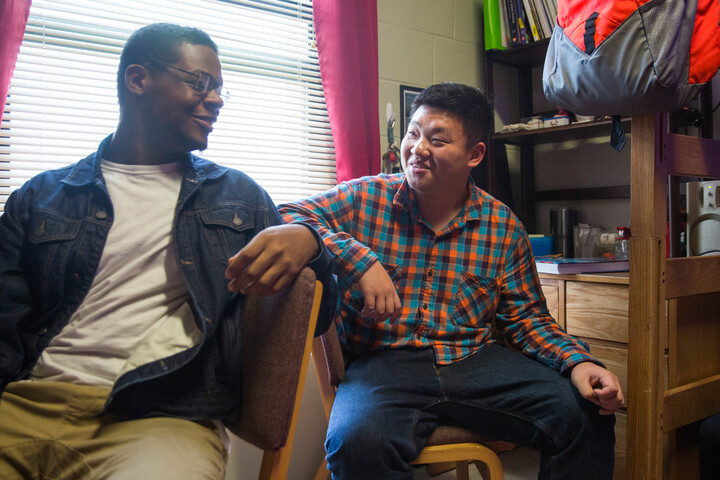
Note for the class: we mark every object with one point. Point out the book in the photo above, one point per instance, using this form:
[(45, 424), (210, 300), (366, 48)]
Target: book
[(580, 265), (504, 29), (522, 31), (546, 23), (531, 22), (552, 11), (511, 13)]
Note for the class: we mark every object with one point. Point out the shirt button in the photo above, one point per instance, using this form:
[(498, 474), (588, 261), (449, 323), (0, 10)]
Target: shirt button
[(100, 214), (430, 272), (425, 306)]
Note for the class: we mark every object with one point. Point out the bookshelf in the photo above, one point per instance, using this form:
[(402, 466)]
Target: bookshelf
[(493, 173)]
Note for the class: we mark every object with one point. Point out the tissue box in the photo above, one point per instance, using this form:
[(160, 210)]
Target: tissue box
[(556, 121)]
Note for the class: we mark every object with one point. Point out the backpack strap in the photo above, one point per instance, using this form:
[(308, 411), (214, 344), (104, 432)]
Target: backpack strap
[(589, 36)]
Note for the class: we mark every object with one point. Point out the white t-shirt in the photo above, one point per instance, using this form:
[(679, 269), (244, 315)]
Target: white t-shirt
[(137, 308)]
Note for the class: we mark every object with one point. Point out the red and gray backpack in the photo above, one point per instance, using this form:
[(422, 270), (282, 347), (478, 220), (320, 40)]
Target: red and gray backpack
[(624, 57)]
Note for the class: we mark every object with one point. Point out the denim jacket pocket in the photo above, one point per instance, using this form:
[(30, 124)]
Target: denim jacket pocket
[(476, 301), (50, 241), (228, 228)]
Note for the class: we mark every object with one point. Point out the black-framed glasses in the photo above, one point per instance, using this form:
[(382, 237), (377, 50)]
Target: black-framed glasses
[(204, 83)]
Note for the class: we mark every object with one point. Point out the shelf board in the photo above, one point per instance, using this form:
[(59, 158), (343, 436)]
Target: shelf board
[(584, 130), (530, 55), (594, 193)]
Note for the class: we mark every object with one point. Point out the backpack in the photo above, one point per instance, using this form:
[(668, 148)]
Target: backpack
[(624, 57)]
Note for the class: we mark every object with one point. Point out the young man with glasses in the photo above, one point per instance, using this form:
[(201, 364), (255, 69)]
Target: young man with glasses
[(121, 284)]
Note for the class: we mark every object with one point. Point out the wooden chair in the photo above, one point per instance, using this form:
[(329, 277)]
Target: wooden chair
[(277, 340), (447, 445)]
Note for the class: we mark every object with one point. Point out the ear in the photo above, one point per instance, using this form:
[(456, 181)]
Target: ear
[(137, 79), (477, 153)]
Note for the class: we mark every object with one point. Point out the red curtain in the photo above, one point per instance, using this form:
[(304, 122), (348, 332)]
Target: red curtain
[(13, 18), (347, 42)]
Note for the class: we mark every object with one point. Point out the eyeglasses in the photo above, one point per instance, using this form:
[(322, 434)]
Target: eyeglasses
[(204, 83)]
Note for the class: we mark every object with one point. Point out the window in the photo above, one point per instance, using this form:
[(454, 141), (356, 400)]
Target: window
[(63, 99)]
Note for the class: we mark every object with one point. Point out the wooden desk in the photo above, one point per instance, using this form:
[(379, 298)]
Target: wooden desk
[(594, 308)]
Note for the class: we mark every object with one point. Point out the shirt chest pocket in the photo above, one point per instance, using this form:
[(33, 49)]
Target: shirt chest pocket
[(476, 301), (227, 229)]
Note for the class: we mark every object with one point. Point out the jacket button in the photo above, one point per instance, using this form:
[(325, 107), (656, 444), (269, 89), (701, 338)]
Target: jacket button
[(42, 332), (76, 277), (237, 220), (100, 214)]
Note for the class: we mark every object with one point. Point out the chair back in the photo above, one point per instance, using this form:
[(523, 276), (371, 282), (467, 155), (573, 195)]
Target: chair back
[(277, 336), (334, 363)]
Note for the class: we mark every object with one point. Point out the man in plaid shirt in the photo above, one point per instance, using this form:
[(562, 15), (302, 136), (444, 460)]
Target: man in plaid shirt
[(436, 276)]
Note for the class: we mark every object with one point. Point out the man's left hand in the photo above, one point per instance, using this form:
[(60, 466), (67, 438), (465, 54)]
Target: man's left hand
[(598, 385), (271, 260)]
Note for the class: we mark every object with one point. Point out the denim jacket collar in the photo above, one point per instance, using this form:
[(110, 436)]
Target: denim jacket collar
[(88, 170)]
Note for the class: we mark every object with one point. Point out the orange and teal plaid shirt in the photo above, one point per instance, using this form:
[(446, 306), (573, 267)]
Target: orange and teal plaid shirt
[(470, 285)]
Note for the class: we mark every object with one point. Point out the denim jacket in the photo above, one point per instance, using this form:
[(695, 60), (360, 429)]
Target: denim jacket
[(52, 235)]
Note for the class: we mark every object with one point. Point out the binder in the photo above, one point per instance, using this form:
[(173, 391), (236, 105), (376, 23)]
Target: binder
[(495, 31)]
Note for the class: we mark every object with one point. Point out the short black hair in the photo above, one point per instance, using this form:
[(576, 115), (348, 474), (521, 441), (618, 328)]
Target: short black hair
[(469, 103), (158, 41)]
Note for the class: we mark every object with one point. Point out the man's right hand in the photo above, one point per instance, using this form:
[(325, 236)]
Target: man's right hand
[(380, 295)]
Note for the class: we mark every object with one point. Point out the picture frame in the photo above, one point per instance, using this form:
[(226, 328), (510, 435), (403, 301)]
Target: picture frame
[(407, 95)]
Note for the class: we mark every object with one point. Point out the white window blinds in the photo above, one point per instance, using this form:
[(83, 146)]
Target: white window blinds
[(63, 97)]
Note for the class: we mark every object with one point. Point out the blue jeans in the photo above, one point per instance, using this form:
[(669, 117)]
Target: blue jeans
[(710, 448), (391, 401)]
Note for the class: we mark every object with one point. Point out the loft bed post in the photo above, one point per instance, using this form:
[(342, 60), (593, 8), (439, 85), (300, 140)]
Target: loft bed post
[(674, 310), (645, 345)]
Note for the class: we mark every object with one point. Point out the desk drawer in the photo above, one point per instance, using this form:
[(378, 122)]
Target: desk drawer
[(597, 310), (615, 360), (553, 298)]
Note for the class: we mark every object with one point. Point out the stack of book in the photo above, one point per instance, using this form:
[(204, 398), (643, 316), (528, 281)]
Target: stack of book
[(517, 22), (550, 264)]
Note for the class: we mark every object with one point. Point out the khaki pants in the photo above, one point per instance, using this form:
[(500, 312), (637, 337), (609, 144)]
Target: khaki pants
[(48, 430)]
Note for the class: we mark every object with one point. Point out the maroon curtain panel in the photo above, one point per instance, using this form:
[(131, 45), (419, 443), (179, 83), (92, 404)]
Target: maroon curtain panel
[(13, 18), (347, 42)]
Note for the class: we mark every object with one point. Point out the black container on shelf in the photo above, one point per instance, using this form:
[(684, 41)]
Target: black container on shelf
[(561, 229)]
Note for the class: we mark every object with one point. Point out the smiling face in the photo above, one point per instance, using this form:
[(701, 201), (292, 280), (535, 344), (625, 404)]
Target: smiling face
[(435, 153), (180, 117)]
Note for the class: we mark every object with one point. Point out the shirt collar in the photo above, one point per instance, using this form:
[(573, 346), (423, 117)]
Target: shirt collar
[(405, 198)]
